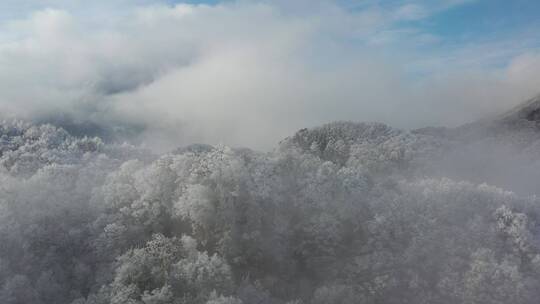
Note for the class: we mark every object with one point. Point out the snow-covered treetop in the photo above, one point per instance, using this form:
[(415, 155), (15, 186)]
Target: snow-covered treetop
[(342, 213)]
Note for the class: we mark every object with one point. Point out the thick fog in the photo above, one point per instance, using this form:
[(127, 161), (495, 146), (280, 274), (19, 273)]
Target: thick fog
[(153, 153)]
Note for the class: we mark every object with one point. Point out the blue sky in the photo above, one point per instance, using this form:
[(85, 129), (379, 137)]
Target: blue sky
[(210, 71), (487, 20), (478, 18)]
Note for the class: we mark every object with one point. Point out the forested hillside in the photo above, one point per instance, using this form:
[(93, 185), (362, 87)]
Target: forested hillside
[(342, 213)]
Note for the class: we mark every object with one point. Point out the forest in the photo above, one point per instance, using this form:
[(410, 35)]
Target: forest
[(341, 213)]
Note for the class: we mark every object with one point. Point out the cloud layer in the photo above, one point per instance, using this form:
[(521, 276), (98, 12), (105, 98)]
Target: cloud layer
[(248, 73)]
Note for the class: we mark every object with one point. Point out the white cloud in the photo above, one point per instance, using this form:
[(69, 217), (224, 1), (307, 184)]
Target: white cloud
[(241, 73), (410, 12)]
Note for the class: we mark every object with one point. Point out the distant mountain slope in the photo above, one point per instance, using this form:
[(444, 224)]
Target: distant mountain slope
[(503, 150), (527, 113), (520, 125)]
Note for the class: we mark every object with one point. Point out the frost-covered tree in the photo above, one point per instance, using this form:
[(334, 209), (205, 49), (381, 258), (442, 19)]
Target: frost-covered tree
[(343, 213)]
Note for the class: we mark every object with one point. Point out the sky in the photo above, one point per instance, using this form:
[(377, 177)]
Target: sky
[(249, 73)]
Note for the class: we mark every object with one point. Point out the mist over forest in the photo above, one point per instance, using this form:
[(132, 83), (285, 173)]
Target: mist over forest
[(269, 152), (341, 213)]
